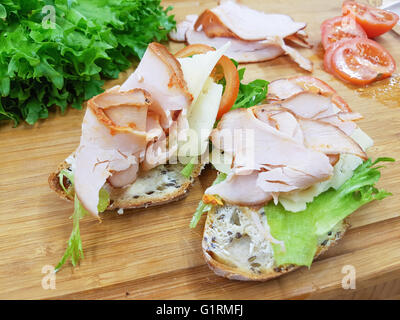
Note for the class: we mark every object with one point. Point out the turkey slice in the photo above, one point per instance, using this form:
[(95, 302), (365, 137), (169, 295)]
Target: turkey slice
[(240, 190), (327, 138), (245, 23), (160, 74), (240, 50), (303, 62), (110, 143)]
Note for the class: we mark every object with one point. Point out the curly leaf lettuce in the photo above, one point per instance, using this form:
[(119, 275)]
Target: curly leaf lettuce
[(300, 230), (74, 249), (202, 207), (250, 94)]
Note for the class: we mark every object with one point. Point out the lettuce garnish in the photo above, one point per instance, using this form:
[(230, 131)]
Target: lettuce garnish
[(188, 169), (74, 249), (202, 207), (300, 230), (250, 94)]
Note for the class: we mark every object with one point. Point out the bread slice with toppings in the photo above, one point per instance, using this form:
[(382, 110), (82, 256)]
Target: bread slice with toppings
[(235, 248), (160, 185)]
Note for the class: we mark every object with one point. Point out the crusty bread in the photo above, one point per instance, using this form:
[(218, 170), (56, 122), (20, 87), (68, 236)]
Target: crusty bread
[(158, 186), (234, 247)]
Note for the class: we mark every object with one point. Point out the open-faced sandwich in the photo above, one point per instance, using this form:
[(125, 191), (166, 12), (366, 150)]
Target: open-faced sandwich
[(290, 172), (141, 141)]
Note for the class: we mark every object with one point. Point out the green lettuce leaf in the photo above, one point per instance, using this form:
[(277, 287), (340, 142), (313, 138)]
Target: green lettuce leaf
[(300, 230), (250, 94), (188, 169), (70, 176), (202, 207), (74, 249)]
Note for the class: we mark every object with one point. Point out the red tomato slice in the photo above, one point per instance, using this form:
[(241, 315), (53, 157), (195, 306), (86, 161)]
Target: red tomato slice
[(362, 61), (328, 56), (373, 20), (339, 28), (232, 85), (318, 86), (230, 74)]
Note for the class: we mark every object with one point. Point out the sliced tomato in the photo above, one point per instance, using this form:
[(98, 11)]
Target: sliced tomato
[(362, 61), (318, 86), (328, 56), (373, 20), (231, 91), (229, 72), (339, 28)]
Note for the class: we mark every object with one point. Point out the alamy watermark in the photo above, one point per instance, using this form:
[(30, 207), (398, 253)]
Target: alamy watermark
[(49, 20), (49, 280), (349, 280)]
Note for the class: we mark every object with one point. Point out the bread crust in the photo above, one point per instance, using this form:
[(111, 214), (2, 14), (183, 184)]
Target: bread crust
[(226, 271), (119, 202)]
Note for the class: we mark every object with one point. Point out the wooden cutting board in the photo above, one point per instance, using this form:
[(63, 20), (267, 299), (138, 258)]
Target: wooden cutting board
[(152, 253)]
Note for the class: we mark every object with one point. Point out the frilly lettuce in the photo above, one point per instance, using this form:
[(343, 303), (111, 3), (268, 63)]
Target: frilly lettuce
[(74, 249), (202, 207), (300, 230)]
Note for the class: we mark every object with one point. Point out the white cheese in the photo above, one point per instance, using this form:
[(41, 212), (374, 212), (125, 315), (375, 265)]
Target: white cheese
[(197, 69), (206, 99), (297, 201), (201, 120)]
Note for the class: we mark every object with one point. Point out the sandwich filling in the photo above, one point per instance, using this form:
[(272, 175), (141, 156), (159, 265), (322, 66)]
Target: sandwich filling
[(145, 122), (280, 148)]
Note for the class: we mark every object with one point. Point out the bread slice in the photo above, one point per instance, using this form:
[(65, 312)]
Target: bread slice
[(234, 247), (158, 186)]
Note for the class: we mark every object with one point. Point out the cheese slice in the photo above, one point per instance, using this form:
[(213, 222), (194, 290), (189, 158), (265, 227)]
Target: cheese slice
[(201, 120), (197, 69), (297, 201)]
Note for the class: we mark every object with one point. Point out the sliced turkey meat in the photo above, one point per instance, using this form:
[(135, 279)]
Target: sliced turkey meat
[(280, 149), (240, 50), (285, 88), (246, 23), (179, 35), (282, 89), (235, 190), (255, 36), (269, 149), (309, 105), (138, 125), (110, 142), (160, 74), (303, 62), (300, 38), (329, 139)]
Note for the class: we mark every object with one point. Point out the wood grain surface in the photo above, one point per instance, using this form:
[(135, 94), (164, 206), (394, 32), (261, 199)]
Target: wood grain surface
[(152, 253)]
